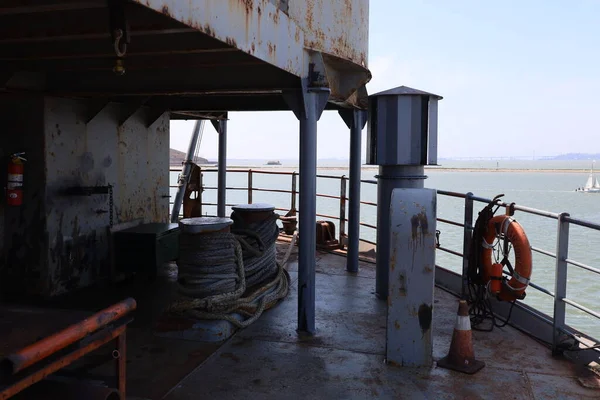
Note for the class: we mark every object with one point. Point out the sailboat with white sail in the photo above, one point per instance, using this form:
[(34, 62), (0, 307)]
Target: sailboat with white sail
[(591, 185)]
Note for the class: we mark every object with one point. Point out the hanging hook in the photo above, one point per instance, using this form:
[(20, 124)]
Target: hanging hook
[(118, 36)]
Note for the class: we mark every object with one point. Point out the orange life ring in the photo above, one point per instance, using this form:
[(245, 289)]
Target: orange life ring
[(514, 288)]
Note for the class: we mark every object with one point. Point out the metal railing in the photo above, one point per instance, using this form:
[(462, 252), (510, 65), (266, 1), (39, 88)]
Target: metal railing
[(561, 256), (342, 199)]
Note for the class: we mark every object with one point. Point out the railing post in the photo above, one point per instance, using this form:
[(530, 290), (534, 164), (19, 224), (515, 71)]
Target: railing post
[(200, 188), (560, 283), (294, 190), (249, 186), (342, 210), (467, 235)]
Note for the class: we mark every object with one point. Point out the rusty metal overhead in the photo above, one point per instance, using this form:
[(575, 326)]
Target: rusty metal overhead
[(189, 57)]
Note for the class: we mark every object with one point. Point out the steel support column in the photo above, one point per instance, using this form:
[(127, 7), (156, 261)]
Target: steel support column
[(355, 120), (222, 168), (308, 105), (391, 177), (412, 226)]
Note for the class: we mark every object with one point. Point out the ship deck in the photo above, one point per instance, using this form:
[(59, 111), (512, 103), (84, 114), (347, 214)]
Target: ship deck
[(345, 359)]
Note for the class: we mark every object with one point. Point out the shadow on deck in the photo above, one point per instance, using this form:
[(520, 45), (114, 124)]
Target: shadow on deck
[(344, 360)]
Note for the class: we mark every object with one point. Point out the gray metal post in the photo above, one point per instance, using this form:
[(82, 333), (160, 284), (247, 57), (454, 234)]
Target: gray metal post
[(249, 186), (308, 106), (391, 177), (355, 120), (222, 169), (412, 223), (343, 200), (467, 234), (294, 190), (560, 283)]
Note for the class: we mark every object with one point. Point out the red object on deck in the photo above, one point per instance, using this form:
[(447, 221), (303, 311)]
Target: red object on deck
[(14, 182), (16, 376)]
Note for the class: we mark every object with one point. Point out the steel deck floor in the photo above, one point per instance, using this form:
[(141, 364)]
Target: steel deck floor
[(345, 359)]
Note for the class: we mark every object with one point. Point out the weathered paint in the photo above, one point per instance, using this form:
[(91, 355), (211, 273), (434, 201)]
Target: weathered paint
[(338, 28), (131, 158), (411, 277), (257, 27), (286, 34)]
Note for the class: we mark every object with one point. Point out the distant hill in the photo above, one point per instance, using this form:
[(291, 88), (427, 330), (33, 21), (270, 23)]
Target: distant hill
[(177, 157), (575, 156)]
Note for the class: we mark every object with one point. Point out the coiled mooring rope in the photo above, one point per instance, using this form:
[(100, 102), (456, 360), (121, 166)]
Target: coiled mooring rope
[(259, 242), (210, 267), (216, 269)]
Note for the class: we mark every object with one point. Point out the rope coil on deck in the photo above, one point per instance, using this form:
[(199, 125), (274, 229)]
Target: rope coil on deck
[(210, 267), (259, 250), (222, 274)]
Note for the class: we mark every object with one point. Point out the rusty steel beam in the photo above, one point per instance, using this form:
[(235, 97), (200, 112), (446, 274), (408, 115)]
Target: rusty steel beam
[(89, 36), (38, 351), (105, 337), (144, 82), (103, 65), (130, 54), (198, 115), (247, 92), (85, 5)]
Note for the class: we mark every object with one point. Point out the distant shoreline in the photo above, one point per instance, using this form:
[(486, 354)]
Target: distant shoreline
[(374, 168)]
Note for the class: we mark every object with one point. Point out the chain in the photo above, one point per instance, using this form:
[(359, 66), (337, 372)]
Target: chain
[(110, 205)]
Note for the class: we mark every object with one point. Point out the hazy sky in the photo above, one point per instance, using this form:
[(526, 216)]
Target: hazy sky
[(517, 77)]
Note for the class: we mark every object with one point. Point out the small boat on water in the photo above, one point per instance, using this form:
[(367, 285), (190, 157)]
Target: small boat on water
[(274, 162), (591, 185)]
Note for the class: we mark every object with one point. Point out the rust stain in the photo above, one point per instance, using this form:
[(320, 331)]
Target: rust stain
[(402, 288), (425, 317), (231, 41), (248, 4), (419, 226), (309, 15), (348, 4), (208, 30), (396, 325)]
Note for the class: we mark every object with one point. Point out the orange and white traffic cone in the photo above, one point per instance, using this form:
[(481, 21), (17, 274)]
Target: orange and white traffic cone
[(461, 356)]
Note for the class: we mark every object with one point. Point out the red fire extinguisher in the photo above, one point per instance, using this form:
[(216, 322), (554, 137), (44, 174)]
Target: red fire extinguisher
[(14, 186)]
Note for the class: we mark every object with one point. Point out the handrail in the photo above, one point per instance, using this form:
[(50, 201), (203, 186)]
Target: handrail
[(560, 255)]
